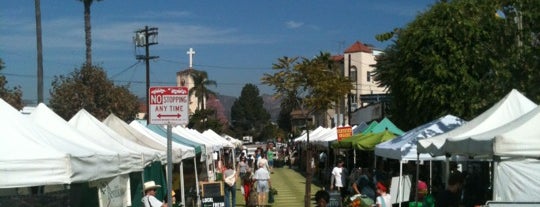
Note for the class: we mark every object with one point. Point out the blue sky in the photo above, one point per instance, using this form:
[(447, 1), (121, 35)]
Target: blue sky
[(236, 42)]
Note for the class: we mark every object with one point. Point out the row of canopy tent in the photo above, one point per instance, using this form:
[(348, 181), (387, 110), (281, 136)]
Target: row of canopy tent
[(44, 149), (507, 131), (509, 134), (365, 137)]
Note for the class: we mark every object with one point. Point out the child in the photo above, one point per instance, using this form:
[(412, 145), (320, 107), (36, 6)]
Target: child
[(383, 200)]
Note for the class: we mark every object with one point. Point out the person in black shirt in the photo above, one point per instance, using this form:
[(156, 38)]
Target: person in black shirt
[(451, 196)]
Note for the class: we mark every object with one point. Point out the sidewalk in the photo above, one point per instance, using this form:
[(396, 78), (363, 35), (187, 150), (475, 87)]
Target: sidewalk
[(291, 186)]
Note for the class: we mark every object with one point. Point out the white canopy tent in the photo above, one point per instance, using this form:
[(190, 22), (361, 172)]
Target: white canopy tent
[(213, 135), (187, 151), (163, 140), (106, 162), (404, 146), (512, 106), (30, 155), (179, 151), (516, 146), (312, 133), (106, 137)]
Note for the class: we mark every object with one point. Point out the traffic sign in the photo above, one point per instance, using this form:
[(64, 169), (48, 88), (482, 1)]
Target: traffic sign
[(168, 105)]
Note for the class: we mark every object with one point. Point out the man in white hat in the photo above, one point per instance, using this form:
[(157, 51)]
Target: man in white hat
[(149, 198)]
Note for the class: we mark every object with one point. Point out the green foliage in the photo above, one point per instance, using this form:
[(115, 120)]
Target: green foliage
[(456, 58), (313, 85), (248, 114), (205, 119), (200, 90), (89, 88), (13, 96)]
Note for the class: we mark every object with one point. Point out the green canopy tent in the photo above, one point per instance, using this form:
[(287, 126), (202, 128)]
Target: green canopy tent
[(348, 142), (368, 142), (370, 127), (385, 124)]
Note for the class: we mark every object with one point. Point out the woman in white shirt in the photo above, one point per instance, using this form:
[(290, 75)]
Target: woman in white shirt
[(383, 200)]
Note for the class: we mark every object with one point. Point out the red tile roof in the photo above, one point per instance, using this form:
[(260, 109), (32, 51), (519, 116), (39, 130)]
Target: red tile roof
[(358, 47), (337, 58)]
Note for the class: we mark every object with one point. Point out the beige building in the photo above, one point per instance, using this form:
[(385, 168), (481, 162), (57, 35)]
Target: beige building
[(184, 78), (358, 63)]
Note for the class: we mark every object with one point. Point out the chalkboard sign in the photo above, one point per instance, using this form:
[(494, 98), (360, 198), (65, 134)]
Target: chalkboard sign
[(212, 189), (218, 201)]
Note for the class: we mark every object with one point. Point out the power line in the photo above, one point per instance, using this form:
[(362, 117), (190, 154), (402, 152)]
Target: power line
[(218, 67)]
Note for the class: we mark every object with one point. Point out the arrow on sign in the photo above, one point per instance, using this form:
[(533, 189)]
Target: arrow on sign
[(169, 115)]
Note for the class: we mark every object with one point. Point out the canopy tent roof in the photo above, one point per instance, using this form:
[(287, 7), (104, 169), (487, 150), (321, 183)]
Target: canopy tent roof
[(233, 142), (179, 152), (199, 147), (191, 151), (364, 141), (236, 142), (88, 124), (100, 162), (369, 127), (404, 146), (511, 107), (360, 128), (211, 145), (385, 124), (519, 138), (28, 159), (303, 137), (369, 142)]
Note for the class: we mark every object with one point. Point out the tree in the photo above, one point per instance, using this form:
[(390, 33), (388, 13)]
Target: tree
[(315, 85), (13, 96), (88, 30), (200, 90), (457, 58), (248, 114), (213, 117), (89, 88)]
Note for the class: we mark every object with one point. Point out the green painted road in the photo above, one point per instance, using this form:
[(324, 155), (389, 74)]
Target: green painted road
[(290, 185)]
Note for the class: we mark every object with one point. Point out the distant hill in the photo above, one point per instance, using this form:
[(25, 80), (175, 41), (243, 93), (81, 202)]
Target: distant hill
[(270, 104)]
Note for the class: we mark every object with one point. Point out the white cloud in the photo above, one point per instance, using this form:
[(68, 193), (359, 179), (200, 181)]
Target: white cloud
[(293, 24)]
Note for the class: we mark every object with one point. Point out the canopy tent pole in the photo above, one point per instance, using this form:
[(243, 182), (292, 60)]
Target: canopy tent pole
[(183, 194), (446, 172), (417, 174), (196, 178), (400, 187), (430, 175), (354, 156), (374, 161)]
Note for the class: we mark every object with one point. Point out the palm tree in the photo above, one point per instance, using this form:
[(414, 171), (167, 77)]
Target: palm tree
[(199, 90), (88, 30)]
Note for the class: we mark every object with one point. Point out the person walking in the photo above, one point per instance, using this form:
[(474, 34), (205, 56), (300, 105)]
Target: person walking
[(338, 181), (242, 169), (149, 199), (262, 176), (230, 177)]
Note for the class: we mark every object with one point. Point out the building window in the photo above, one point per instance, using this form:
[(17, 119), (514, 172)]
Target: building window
[(368, 77), (353, 74), (353, 98)]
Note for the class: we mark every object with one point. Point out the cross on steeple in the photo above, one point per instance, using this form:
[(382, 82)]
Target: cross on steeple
[(191, 52)]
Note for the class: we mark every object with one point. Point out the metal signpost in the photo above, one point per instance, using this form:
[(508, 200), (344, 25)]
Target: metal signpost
[(168, 105)]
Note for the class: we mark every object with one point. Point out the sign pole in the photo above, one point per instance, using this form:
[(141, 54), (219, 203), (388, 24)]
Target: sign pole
[(169, 165)]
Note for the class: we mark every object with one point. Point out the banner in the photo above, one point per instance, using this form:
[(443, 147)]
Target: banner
[(113, 192), (344, 132)]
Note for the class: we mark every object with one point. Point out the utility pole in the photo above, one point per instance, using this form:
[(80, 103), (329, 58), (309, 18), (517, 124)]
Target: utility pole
[(37, 5), (144, 38)]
